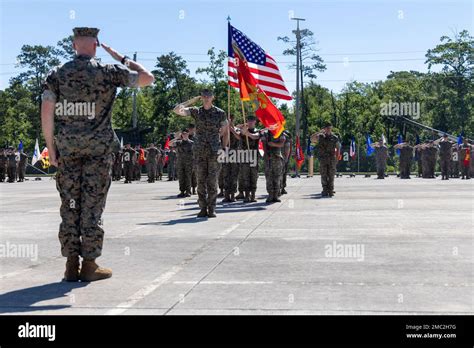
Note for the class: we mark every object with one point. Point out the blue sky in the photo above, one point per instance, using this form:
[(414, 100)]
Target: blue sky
[(346, 31)]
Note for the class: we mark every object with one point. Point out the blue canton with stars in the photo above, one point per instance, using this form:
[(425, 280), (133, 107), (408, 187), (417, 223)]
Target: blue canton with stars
[(252, 52)]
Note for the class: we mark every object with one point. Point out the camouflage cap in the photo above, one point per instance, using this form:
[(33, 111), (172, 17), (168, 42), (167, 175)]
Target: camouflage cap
[(327, 124), (251, 118), (87, 32), (206, 92)]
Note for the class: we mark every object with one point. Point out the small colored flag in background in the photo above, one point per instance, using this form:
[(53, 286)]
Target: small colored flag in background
[(166, 148), (370, 149), (36, 153), (20, 146), (399, 141), (460, 136), (467, 157), (352, 149), (261, 150), (45, 158), (299, 155), (141, 158)]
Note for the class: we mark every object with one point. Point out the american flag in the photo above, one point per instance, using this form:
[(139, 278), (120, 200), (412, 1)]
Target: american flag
[(262, 66)]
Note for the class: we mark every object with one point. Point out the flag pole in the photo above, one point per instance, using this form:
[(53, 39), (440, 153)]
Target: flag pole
[(228, 105), (228, 115), (245, 122)]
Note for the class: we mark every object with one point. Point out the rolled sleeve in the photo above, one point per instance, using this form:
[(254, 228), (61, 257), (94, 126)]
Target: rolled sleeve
[(194, 111), (120, 76), (50, 87), (224, 121)]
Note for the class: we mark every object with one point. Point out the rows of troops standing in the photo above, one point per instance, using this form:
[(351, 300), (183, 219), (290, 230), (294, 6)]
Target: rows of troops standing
[(455, 160), (236, 180), (12, 165)]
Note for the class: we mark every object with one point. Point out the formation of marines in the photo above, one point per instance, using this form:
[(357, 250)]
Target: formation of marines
[(12, 165), (88, 156), (453, 158)]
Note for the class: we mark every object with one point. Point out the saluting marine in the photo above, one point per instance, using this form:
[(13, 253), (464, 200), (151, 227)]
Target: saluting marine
[(273, 159), (445, 155), (381, 155), (83, 146), (406, 156), (249, 171), (184, 152), (211, 122), (327, 154)]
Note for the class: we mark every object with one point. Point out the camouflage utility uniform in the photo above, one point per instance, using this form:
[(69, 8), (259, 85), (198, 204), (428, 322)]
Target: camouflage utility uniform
[(327, 145), (445, 154), (406, 156), (273, 159), (85, 145), (184, 152), (206, 149), (230, 171), (151, 159), (381, 155), (247, 170)]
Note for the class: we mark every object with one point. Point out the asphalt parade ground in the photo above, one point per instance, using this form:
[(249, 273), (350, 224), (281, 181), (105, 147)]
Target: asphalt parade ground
[(378, 247)]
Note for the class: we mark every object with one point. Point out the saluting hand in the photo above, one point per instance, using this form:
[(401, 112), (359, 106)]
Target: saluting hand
[(115, 55)]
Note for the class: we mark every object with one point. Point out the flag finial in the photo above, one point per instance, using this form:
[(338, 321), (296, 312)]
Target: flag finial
[(228, 18)]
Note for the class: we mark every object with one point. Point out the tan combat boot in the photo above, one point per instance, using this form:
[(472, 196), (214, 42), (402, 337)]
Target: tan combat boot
[(72, 269), (91, 271)]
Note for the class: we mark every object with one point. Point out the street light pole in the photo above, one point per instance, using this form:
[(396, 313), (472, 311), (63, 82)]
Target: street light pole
[(298, 67), (134, 100)]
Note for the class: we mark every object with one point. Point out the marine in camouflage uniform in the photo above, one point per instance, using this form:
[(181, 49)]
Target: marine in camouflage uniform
[(250, 136), (328, 144), (273, 159), (428, 159), (406, 156), (117, 166), (192, 132), (151, 158), (22, 166), (230, 170), (286, 161), (83, 146), (381, 155), (3, 165), (220, 183), (159, 163), (210, 123), (172, 164), (128, 158), (445, 154), (184, 164), (11, 164)]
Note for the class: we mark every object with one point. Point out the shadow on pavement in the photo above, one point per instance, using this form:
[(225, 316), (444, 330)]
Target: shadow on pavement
[(23, 300)]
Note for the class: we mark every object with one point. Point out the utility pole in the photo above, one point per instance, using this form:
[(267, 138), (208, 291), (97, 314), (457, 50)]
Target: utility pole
[(134, 115), (298, 67)]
